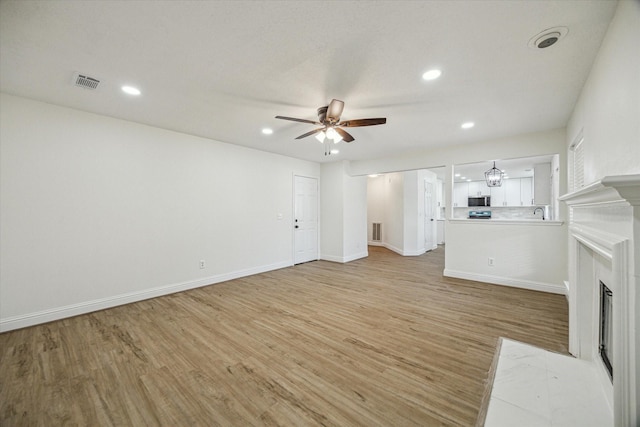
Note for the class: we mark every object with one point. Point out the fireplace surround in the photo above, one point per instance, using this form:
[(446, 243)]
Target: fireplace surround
[(604, 246), (605, 343)]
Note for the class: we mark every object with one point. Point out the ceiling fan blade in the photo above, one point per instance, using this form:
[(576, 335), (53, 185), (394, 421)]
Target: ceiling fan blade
[(310, 133), (346, 136), (293, 119), (363, 122), (334, 111)]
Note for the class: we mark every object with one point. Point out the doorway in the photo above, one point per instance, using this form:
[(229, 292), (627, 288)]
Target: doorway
[(430, 208), (405, 210), (305, 219)]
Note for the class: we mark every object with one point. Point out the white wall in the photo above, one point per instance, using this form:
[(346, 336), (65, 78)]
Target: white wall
[(332, 211), (397, 200), (608, 109), (532, 144), (531, 256), (413, 214), (376, 202), (343, 214), (608, 114), (97, 211), (355, 217), (394, 212)]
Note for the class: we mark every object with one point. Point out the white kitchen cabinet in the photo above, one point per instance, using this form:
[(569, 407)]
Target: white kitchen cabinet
[(512, 192), (478, 188), (460, 194), (498, 196), (542, 184), (526, 191)]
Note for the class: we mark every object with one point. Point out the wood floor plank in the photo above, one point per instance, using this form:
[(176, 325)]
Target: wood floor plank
[(385, 340)]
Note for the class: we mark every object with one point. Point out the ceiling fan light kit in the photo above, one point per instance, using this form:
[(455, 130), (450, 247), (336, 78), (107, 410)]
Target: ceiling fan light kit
[(331, 130)]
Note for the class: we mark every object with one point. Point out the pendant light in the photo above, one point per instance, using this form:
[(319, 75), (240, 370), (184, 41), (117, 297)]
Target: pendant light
[(494, 176)]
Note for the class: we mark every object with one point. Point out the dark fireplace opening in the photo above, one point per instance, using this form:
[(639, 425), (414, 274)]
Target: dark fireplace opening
[(606, 327)]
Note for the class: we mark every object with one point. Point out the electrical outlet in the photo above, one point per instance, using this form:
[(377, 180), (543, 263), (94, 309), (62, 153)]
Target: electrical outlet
[(491, 261), (202, 264)]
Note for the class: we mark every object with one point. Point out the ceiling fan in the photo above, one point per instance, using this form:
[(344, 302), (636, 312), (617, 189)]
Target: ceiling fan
[(329, 119)]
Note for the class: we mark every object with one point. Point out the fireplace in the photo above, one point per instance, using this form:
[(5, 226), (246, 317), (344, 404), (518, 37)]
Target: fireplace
[(605, 346), (603, 288)]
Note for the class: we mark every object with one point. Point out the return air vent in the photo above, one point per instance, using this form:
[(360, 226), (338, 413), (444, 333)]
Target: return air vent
[(376, 232), (86, 82)]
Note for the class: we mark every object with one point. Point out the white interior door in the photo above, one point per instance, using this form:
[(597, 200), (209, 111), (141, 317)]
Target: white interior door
[(305, 219), (430, 224)]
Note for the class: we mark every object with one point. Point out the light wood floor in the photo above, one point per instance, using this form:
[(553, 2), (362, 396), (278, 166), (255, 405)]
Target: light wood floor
[(384, 340)]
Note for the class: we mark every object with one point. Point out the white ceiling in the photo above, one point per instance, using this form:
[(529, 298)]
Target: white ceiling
[(223, 70)]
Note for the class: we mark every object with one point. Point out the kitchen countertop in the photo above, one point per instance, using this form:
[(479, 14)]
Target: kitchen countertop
[(507, 221)]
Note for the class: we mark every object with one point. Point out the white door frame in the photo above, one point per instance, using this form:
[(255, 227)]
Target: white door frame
[(293, 216)]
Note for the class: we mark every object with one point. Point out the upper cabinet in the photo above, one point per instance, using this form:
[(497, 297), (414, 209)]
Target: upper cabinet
[(526, 191), (478, 188), (542, 184), (460, 194), (528, 181), (513, 192)]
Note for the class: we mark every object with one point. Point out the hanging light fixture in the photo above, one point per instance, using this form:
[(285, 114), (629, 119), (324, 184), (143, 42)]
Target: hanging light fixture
[(494, 176)]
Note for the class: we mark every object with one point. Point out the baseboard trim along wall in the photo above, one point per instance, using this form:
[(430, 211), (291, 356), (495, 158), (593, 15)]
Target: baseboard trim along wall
[(342, 259), (507, 281), (403, 252), (44, 316)]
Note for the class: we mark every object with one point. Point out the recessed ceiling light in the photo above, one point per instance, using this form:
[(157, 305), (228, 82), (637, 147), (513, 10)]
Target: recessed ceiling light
[(467, 125), (432, 74), (464, 177), (131, 90), (335, 151), (468, 180), (457, 174), (267, 131), (373, 175)]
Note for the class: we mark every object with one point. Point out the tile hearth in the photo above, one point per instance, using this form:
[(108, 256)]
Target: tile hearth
[(535, 387)]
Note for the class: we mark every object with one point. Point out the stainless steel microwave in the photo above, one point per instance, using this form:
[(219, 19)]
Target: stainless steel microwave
[(480, 201)]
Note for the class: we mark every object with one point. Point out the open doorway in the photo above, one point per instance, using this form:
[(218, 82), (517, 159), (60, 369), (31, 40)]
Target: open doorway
[(405, 210)]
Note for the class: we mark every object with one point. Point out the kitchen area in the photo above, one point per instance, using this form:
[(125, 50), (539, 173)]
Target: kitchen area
[(527, 190), (502, 234)]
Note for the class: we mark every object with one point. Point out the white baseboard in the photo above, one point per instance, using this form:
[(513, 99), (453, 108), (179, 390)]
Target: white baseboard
[(403, 252), (507, 281), (44, 316), (342, 259)]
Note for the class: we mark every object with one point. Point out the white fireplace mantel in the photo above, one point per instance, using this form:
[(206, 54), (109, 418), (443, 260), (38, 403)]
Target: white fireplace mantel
[(604, 228), (610, 189)]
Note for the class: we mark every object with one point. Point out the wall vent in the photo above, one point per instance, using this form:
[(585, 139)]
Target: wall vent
[(376, 232), (86, 82)]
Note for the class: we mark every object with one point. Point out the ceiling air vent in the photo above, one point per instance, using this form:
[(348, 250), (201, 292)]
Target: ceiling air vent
[(85, 81)]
